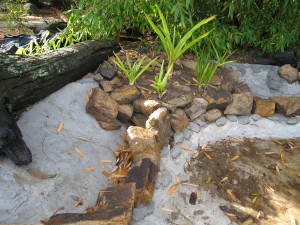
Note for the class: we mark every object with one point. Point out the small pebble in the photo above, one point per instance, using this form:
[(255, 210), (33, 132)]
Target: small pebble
[(244, 120), (193, 127), (178, 137), (187, 134), (200, 122), (221, 122), (277, 117), (232, 118), (292, 121), (176, 151), (255, 117), (166, 178)]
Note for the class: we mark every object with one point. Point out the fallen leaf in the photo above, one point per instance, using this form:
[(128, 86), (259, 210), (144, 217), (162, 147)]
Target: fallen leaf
[(254, 199), (110, 172), (105, 161), (234, 158), (277, 142), (191, 174), (115, 176), (232, 196), (208, 156), (208, 179), (78, 203), (282, 157), (90, 169), (85, 139), (224, 179), (238, 140), (87, 96), (166, 210), (232, 169), (277, 169), (298, 175), (270, 153), (172, 188), (60, 126), (230, 214), (189, 184), (78, 151), (188, 162), (177, 180), (184, 148)]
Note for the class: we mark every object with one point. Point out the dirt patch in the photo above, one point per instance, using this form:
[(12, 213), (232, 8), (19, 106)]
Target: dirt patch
[(260, 178)]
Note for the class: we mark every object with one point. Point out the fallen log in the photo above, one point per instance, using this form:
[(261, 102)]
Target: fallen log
[(25, 80)]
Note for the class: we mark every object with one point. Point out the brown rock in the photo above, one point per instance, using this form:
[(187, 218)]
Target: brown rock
[(125, 113), (113, 125), (146, 106), (102, 106), (241, 87), (228, 74), (159, 122), (217, 98), (241, 104), (288, 105), (116, 82), (143, 144), (98, 77), (188, 63), (126, 94), (197, 108), (263, 107), (114, 206), (212, 115), (179, 87), (181, 102), (289, 73), (144, 175), (216, 80), (106, 86), (139, 119), (179, 120)]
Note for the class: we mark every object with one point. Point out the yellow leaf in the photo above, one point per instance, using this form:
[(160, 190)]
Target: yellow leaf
[(172, 188), (188, 162), (177, 180), (277, 142), (78, 151), (277, 169), (232, 169), (184, 148), (208, 179), (234, 158), (60, 126), (254, 199), (189, 184), (232, 196), (208, 156), (90, 169), (282, 157), (224, 179), (87, 96), (105, 161), (166, 210)]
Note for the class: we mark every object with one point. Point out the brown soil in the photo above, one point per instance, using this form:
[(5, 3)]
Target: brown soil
[(260, 178)]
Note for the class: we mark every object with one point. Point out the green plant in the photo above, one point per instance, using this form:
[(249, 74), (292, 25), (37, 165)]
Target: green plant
[(173, 50), (132, 72), (161, 81)]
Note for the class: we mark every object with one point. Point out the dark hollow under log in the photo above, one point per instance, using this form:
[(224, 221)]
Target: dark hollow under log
[(25, 80)]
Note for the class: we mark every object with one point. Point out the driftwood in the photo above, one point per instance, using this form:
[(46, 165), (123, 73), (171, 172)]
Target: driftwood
[(25, 80)]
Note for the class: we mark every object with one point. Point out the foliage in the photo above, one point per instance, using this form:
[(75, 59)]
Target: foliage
[(132, 72), (14, 13), (173, 50), (161, 81)]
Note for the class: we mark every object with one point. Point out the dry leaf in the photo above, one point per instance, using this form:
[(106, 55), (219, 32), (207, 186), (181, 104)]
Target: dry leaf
[(105, 161), (254, 199), (87, 96), (90, 169), (184, 148), (78, 203), (232, 196), (232, 169), (234, 158), (177, 180), (298, 175), (85, 139), (188, 162), (191, 174), (282, 157), (270, 153), (277, 169), (208, 179), (60, 126), (208, 156), (224, 179), (172, 188), (238, 140), (166, 210), (189, 184), (277, 142), (78, 151)]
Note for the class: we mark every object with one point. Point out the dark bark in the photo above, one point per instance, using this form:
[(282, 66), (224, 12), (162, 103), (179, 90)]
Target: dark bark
[(25, 80)]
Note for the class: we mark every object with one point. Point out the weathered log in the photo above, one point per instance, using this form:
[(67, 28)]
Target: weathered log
[(25, 80)]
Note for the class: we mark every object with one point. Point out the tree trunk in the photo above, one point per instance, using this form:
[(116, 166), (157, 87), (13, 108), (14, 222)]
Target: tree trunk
[(25, 80)]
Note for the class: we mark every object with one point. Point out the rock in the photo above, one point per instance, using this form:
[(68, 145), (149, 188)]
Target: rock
[(232, 118), (143, 144), (178, 137), (216, 80), (212, 115), (228, 74), (241, 87), (289, 73), (113, 125), (263, 107), (244, 120), (106, 64), (106, 86), (292, 121), (164, 152), (277, 117), (102, 106), (125, 113), (146, 107), (181, 102), (187, 134), (126, 94), (116, 82), (217, 98), (31, 9), (114, 206), (176, 151), (179, 87), (200, 122), (255, 117), (144, 175), (159, 122), (193, 127), (108, 73), (188, 63), (166, 178), (139, 119), (197, 108), (288, 105), (221, 121), (98, 77), (241, 104), (274, 81), (179, 120)]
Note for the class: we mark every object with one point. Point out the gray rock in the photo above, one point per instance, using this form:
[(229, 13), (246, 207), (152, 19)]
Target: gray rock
[(193, 127), (212, 115), (108, 73), (187, 134), (197, 108), (255, 117), (292, 121), (244, 120), (274, 80), (166, 178), (175, 151), (200, 122), (221, 122), (142, 211), (232, 118), (164, 152), (98, 77), (277, 117), (178, 137)]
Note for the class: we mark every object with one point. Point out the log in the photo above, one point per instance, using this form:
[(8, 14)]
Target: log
[(25, 80)]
